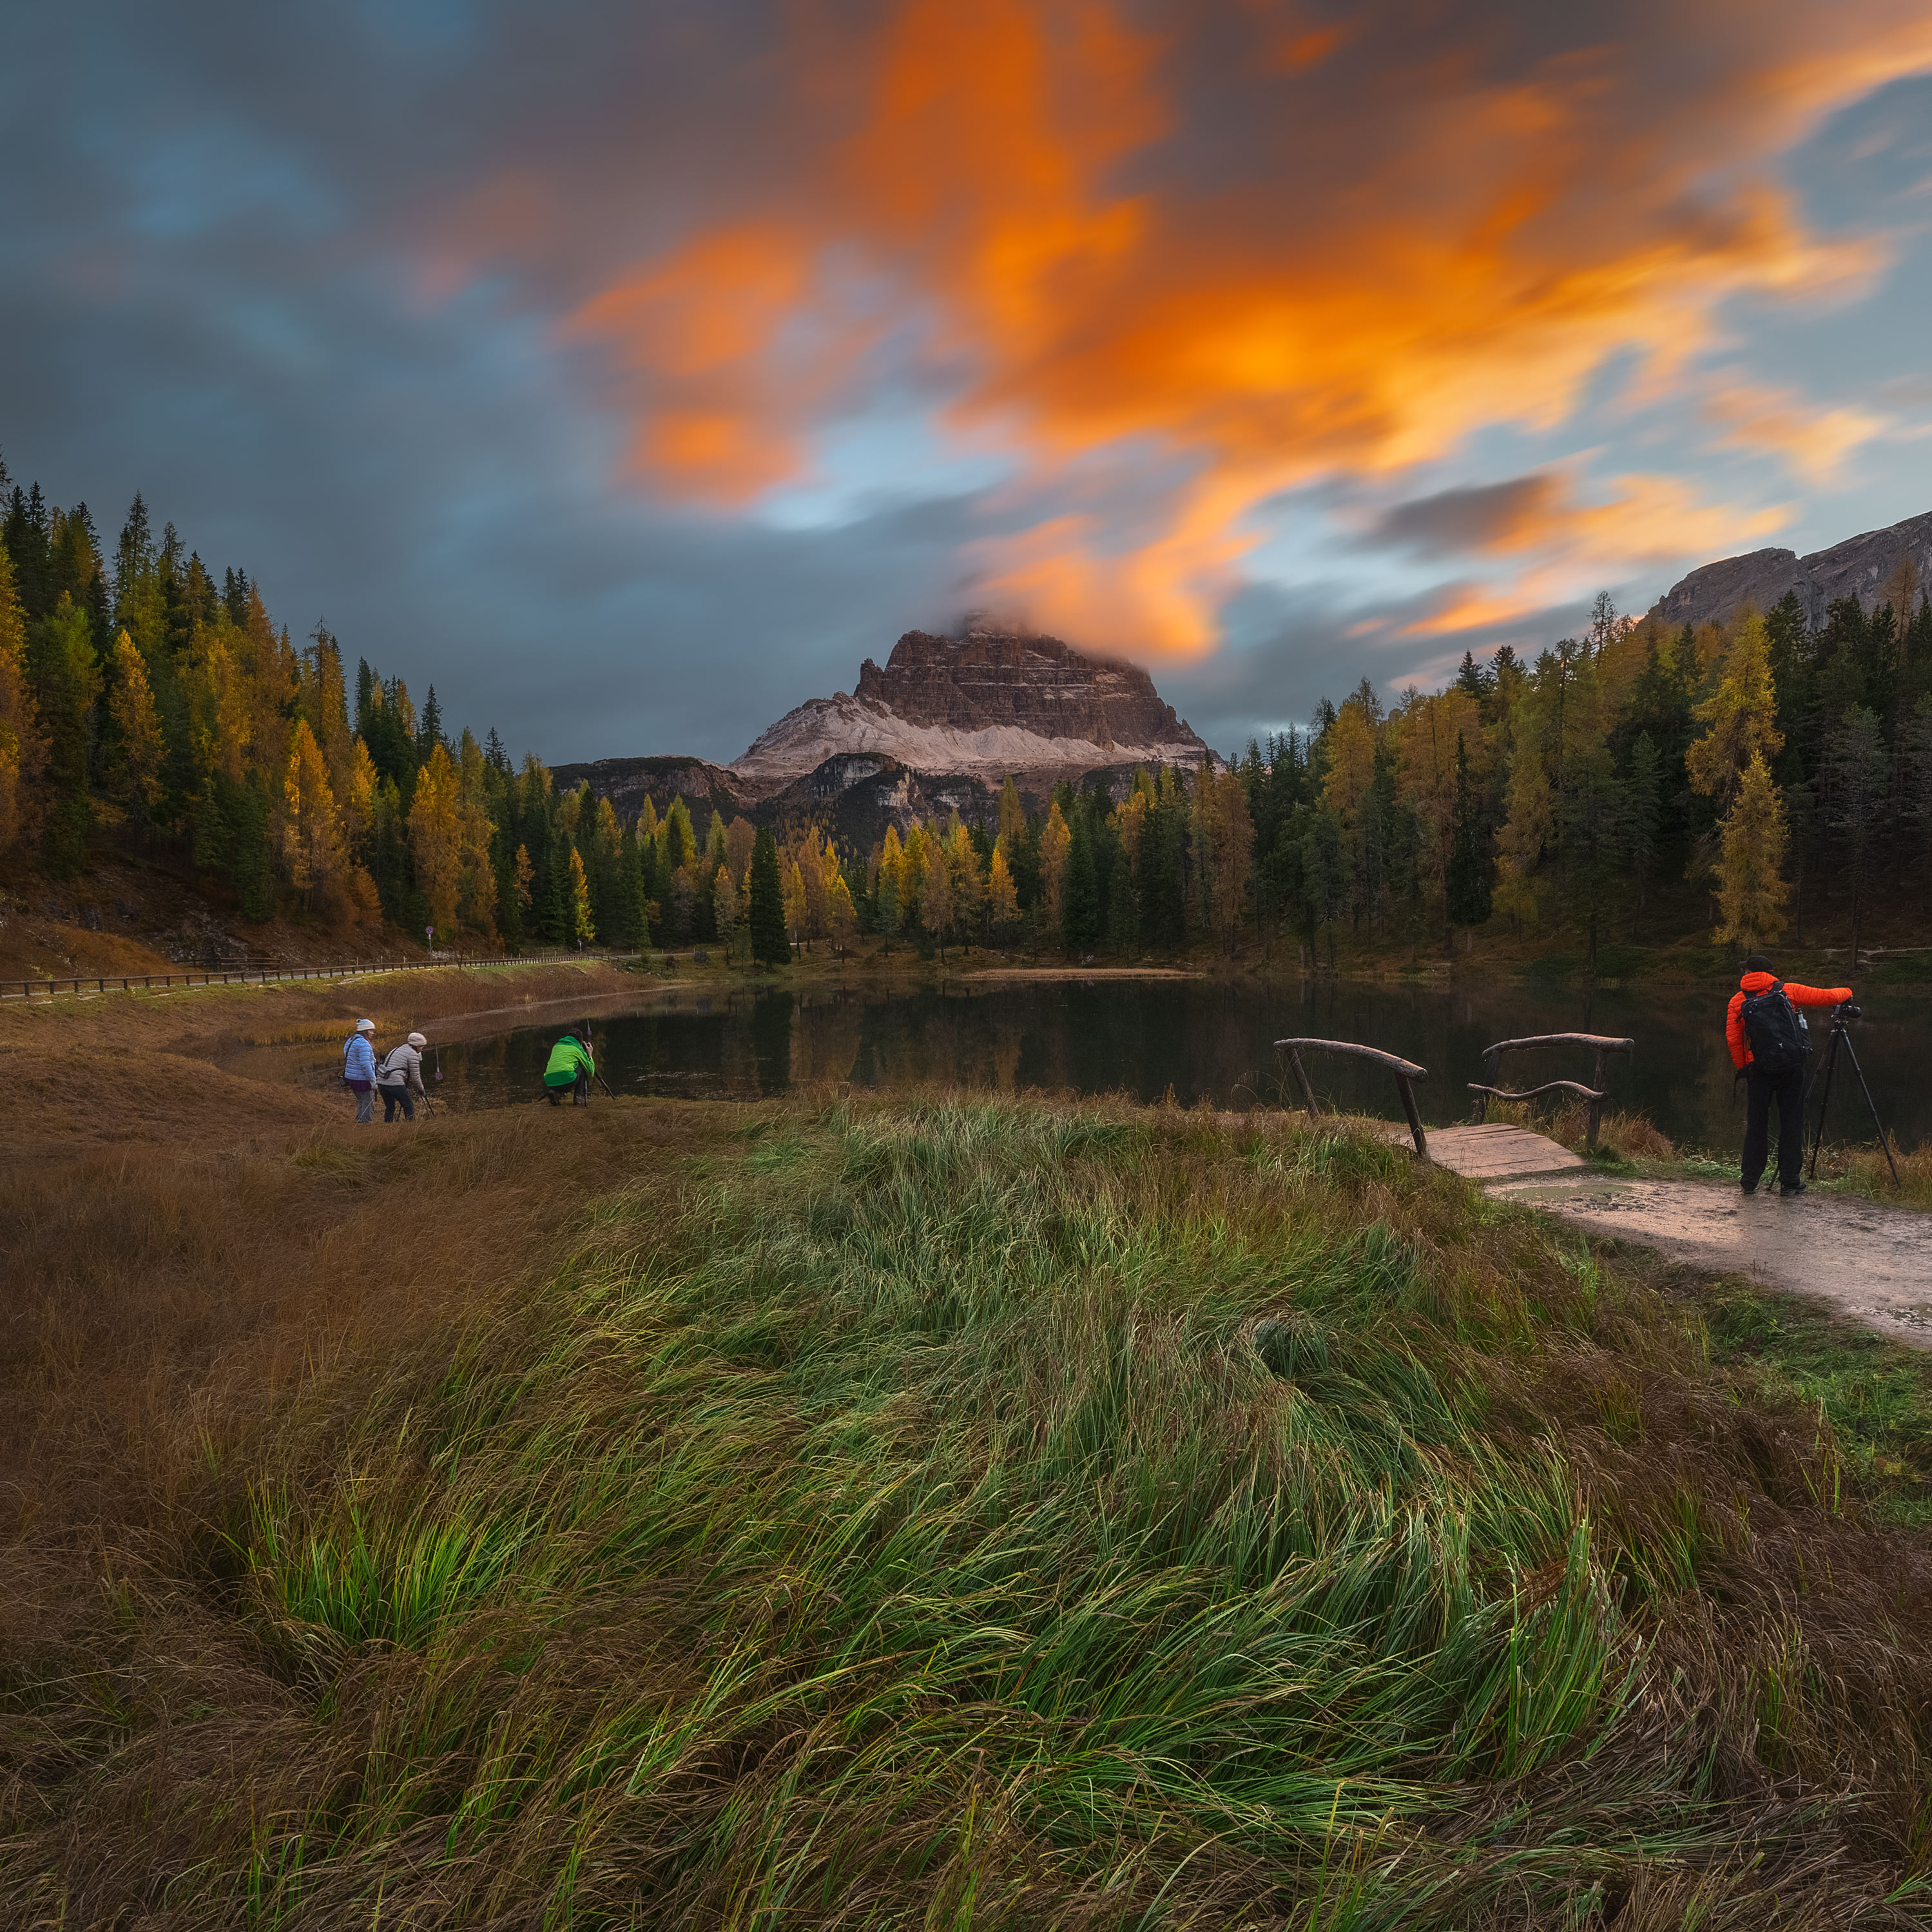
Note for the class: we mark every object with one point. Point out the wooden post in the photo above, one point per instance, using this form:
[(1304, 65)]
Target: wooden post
[(1301, 1076), (1492, 1062), (1402, 1080), (1597, 1106)]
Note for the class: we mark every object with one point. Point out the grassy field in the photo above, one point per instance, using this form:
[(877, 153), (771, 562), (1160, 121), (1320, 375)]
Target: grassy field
[(922, 1513)]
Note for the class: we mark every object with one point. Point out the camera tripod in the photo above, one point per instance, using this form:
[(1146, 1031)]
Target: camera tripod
[(1840, 1036)]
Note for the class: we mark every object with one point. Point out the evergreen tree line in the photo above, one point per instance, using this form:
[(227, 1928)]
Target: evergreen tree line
[(1626, 780)]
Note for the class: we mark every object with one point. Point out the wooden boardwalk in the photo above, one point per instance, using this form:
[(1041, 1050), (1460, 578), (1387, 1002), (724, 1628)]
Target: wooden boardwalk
[(1494, 1152)]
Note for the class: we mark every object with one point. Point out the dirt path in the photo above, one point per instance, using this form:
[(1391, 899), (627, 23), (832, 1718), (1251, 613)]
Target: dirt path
[(1874, 1262)]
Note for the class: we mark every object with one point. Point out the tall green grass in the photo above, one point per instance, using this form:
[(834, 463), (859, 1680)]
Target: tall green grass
[(1013, 1516)]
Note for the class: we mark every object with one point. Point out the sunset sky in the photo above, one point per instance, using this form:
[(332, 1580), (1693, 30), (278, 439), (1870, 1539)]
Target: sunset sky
[(632, 371)]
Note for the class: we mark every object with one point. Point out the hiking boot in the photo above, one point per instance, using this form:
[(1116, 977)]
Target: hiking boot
[(1791, 1188), (1748, 1186)]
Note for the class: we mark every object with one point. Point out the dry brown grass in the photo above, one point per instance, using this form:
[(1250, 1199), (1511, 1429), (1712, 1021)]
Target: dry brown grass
[(711, 1339), (1863, 1170), (1860, 1169), (103, 1069), (158, 1302), (31, 948), (1624, 1136)]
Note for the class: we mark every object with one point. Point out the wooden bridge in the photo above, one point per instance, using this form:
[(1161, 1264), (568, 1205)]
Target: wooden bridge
[(1481, 1149)]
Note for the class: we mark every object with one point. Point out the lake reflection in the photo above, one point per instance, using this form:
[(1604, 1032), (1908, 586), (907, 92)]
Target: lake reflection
[(1195, 1039)]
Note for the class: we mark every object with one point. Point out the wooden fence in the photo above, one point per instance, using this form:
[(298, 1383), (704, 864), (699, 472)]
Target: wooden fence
[(244, 976)]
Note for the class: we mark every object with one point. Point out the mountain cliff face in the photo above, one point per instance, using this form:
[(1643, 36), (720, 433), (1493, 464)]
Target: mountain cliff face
[(1861, 566), (984, 703)]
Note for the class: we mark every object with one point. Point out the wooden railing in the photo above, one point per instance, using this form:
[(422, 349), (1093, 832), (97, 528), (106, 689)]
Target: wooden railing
[(1405, 1071), (1602, 1045), (244, 976)]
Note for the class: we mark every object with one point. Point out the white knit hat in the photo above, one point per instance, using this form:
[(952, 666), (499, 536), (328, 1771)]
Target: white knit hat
[(417, 1039), (365, 1026)]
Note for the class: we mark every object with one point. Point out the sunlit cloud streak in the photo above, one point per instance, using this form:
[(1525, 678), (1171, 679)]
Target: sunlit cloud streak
[(1245, 247)]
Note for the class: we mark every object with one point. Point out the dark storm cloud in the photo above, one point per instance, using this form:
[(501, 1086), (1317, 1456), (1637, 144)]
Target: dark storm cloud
[(1492, 517), (1288, 648), (215, 296), (386, 303)]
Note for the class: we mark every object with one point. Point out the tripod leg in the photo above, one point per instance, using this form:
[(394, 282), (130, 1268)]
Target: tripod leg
[(1831, 1064), (1877, 1122)]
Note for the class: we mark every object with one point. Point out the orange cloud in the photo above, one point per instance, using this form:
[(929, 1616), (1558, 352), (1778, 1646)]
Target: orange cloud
[(1568, 543), (1813, 442), (1351, 252)]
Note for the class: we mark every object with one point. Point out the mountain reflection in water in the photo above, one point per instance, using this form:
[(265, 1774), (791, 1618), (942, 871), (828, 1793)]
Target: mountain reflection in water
[(1196, 1038)]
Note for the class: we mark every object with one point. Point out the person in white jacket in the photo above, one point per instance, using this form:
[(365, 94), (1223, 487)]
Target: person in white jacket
[(399, 1069)]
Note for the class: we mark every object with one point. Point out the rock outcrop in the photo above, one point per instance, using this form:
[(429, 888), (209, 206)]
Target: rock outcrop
[(628, 782), (981, 704), (1861, 566)]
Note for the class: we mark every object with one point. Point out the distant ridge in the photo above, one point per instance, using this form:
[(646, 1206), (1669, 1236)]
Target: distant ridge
[(1861, 566)]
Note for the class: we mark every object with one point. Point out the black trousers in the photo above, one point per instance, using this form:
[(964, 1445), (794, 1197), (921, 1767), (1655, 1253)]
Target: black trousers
[(1788, 1090), (393, 1097)]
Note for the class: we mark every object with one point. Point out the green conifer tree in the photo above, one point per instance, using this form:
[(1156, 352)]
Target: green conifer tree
[(1472, 870), (1080, 919), (66, 679), (766, 917), (1643, 814), (509, 900)]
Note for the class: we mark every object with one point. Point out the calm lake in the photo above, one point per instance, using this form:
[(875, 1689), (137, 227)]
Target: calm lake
[(1142, 1038)]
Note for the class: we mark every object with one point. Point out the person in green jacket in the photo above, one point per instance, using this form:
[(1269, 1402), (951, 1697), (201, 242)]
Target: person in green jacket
[(571, 1069)]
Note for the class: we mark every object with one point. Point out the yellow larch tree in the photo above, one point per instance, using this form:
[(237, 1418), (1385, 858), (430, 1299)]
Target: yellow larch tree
[(139, 752), (22, 747), (935, 903), (357, 802), (476, 878), (1740, 715), (1002, 899), (1222, 817), (841, 914), (1350, 746), (795, 918), (436, 839), (1425, 732), (310, 851), (583, 925), (969, 887), (1751, 889), (1054, 839), (1013, 817)]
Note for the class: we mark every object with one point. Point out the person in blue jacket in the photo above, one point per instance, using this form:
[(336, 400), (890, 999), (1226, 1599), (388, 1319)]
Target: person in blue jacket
[(359, 1069)]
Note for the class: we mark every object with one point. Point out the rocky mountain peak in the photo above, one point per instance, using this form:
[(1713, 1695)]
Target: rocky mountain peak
[(1861, 566), (988, 700)]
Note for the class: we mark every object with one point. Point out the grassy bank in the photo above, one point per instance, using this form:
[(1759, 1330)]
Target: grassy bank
[(1632, 1144), (964, 1515), (116, 1069)]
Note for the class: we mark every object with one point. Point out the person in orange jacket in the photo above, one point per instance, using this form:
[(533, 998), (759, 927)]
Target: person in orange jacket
[(1768, 1041)]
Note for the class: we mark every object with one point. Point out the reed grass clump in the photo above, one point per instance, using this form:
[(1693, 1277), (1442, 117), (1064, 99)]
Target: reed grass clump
[(1006, 1515)]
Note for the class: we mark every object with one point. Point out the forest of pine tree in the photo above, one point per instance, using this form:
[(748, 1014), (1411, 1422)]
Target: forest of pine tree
[(1738, 780)]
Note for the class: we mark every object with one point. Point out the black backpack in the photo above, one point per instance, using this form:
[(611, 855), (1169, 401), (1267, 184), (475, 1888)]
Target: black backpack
[(1779, 1038)]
